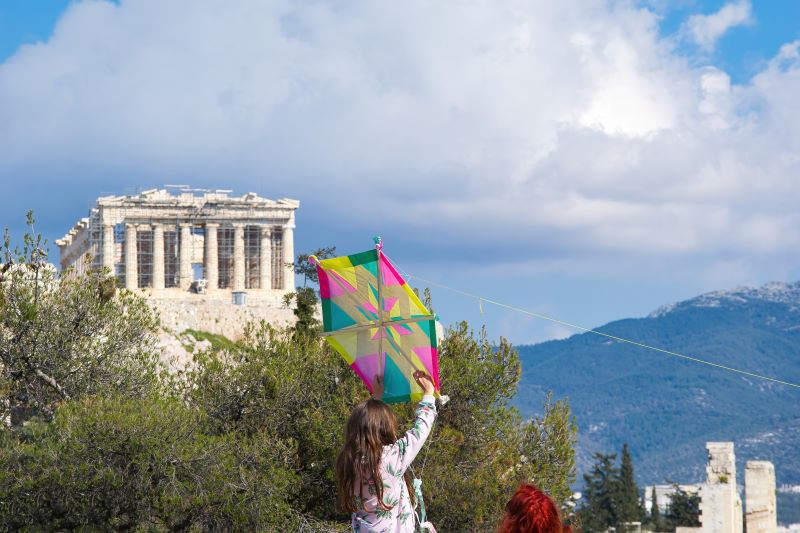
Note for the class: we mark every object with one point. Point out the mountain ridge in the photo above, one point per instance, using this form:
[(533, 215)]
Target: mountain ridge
[(666, 408)]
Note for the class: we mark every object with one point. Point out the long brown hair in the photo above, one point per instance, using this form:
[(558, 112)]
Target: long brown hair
[(371, 426)]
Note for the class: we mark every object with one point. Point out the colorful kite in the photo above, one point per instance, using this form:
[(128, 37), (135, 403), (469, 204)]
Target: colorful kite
[(393, 343)]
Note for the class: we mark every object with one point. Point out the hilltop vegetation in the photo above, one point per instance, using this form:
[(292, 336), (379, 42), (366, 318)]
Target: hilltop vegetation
[(103, 438)]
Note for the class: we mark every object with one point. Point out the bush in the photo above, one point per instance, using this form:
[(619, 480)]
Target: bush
[(298, 390), (66, 336), (246, 437), (111, 464)]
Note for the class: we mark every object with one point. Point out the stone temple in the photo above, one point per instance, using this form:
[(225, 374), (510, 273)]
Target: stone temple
[(207, 260)]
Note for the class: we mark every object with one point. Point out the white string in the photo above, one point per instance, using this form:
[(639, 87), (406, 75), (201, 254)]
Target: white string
[(482, 299)]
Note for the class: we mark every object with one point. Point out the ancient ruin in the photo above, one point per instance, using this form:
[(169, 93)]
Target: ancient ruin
[(760, 499), (720, 504), (207, 260)]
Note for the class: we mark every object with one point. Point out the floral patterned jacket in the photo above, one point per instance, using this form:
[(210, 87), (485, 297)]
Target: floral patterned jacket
[(394, 463)]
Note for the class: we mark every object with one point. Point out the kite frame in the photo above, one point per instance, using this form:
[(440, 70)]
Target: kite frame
[(380, 323)]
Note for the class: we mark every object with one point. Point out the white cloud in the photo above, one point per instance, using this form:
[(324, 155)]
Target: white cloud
[(570, 127), (706, 30)]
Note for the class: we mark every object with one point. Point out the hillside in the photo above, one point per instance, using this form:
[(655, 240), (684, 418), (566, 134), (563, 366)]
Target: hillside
[(667, 408)]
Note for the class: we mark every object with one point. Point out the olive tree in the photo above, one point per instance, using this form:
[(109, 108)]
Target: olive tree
[(64, 336)]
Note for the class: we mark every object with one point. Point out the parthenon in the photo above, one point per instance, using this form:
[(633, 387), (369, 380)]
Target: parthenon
[(172, 244)]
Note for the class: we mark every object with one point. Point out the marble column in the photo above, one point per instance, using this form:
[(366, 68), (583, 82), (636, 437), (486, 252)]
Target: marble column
[(131, 258), (759, 490), (265, 258), (108, 248), (288, 256), (238, 257), (211, 257), (158, 256), (185, 269)]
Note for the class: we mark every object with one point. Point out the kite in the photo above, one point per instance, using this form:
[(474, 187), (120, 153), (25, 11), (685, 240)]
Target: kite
[(377, 323)]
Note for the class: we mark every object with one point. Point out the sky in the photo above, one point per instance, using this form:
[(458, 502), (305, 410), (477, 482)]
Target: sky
[(589, 160)]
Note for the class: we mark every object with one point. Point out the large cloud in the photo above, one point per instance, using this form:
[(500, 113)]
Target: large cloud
[(572, 127)]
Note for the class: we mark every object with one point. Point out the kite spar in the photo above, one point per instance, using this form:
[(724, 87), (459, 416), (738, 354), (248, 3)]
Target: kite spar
[(377, 323)]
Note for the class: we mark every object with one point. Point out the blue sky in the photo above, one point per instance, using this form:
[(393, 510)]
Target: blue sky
[(591, 160)]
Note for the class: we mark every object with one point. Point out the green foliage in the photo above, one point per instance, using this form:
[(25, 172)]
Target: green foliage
[(299, 391), (68, 336), (684, 510), (305, 311), (628, 506), (612, 497), (219, 343), (481, 449), (113, 464), (601, 492), (304, 299), (304, 268), (655, 513), (246, 437), (293, 387)]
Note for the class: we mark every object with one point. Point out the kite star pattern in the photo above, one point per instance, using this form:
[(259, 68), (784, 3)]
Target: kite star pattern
[(377, 323)]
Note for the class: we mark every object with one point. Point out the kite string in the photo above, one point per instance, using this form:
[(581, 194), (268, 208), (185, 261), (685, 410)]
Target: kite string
[(482, 299)]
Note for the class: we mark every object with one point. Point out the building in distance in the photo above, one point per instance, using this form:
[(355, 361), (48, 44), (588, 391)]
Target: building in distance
[(194, 253)]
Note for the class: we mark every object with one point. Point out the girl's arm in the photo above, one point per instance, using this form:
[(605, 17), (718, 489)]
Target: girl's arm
[(403, 452)]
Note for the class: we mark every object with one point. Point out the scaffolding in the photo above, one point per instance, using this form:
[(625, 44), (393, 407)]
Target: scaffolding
[(225, 257), (95, 239), (277, 259), (144, 257), (171, 259), (252, 257)]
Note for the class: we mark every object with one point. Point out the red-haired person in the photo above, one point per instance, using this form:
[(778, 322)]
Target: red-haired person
[(532, 511), (371, 468)]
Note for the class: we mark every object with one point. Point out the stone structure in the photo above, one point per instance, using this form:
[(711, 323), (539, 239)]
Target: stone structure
[(760, 499), (720, 505), (193, 255), (165, 243)]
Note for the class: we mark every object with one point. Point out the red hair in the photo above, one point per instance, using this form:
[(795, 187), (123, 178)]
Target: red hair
[(532, 511)]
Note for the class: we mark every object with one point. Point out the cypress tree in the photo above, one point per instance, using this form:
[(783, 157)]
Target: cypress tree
[(601, 487), (684, 509), (627, 494), (655, 515)]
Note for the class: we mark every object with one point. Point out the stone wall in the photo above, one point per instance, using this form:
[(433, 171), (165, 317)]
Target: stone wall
[(760, 499), (720, 505), (219, 315)]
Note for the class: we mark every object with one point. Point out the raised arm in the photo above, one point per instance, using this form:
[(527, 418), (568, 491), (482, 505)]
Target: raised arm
[(402, 453)]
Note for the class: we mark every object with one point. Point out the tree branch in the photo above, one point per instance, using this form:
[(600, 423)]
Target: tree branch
[(53, 383)]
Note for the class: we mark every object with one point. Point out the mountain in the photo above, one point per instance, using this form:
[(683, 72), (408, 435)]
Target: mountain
[(666, 408)]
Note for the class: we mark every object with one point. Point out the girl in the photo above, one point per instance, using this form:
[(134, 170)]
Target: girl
[(371, 468), (532, 511)]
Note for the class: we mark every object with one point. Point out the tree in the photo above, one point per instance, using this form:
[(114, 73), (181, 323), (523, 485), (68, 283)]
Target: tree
[(305, 298), (655, 513), (684, 509), (246, 437), (600, 490), (67, 336), (299, 390), (115, 464), (480, 448), (627, 497)]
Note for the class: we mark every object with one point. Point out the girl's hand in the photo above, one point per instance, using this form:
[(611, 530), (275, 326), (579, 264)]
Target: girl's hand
[(425, 382), (377, 387)]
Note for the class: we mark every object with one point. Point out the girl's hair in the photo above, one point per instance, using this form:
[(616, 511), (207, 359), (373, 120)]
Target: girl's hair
[(532, 511), (371, 426)]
